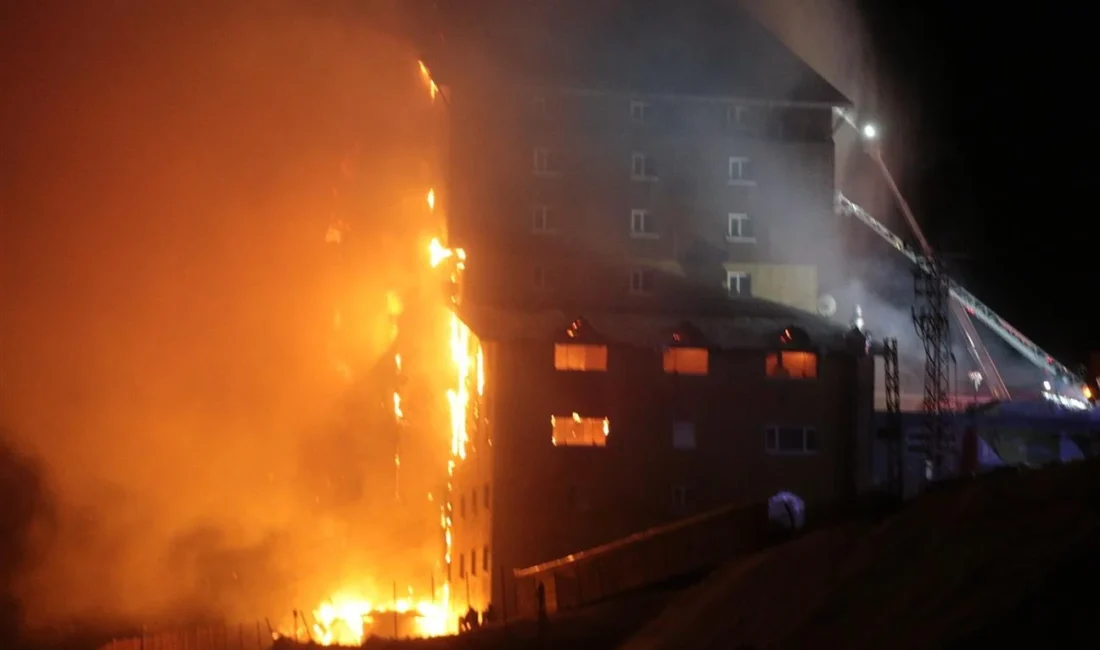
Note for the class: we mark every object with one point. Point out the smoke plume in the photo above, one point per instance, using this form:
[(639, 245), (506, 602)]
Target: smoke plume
[(170, 171)]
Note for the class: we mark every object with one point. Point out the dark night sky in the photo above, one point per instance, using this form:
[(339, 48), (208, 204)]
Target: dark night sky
[(995, 104)]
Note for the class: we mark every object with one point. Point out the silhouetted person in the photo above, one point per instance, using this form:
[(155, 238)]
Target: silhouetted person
[(540, 595)]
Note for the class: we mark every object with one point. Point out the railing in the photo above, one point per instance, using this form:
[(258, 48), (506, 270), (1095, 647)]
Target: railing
[(647, 558), (205, 637)]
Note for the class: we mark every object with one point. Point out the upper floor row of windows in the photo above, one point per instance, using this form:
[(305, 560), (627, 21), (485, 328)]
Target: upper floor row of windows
[(731, 117), (780, 364), (738, 227), (738, 169)]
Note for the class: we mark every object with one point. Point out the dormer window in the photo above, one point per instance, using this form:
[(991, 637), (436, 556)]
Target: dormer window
[(686, 361)]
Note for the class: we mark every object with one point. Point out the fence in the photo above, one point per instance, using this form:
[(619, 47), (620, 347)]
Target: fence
[(206, 637), (646, 558)]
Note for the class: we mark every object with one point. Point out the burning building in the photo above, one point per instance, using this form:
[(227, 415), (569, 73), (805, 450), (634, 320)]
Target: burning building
[(590, 427), (639, 299)]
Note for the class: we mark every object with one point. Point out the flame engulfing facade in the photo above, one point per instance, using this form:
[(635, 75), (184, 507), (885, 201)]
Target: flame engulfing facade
[(437, 378)]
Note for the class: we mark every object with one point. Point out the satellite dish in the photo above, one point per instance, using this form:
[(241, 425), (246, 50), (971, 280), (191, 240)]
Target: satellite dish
[(826, 305)]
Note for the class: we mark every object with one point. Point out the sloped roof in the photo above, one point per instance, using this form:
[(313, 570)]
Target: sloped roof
[(684, 47), (748, 324)]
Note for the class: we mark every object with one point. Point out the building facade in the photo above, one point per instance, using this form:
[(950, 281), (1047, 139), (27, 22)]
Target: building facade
[(569, 187), (646, 205), (592, 428)]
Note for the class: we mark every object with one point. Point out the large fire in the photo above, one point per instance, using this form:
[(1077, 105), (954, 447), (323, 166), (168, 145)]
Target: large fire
[(347, 617)]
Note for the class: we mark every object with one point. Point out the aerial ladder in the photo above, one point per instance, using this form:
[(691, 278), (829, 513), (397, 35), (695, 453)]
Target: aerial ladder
[(965, 299)]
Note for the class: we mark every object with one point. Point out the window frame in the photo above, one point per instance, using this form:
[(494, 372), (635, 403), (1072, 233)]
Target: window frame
[(644, 217), (588, 422), (540, 212), (638, 167), (639, 111), (638, 282), (740, 179), (586, 357), (740, 218), (543, 154), (669, 354), (676, 428), (772, 440), (739, 275)]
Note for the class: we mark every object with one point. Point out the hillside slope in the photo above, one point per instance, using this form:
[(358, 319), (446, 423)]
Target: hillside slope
[(1002, 558)]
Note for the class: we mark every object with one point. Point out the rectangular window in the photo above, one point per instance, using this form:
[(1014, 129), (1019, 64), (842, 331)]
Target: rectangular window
[(543, 162), (687, 361), (791, 364), (461, 566), (790, 440), (642, 224), (639, 112), (739, 283), (485, 559), (680, 496), (538, 105), (581, 357), (642, 167), (575, 431), (741, 171), (540, 219), (473, 562), (473, 503), (737, 117), (642, 281), (739, 228), (683, 435)]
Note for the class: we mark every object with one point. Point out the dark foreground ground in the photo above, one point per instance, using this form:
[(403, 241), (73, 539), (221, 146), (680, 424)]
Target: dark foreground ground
[(1010, 560), (1007, 560)]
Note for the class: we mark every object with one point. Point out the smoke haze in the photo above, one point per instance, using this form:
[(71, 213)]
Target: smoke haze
[(169, 173)]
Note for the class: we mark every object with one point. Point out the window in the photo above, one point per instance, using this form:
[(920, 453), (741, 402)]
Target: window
[(642, 167), (473, 562), (486, 491), (683, 435), (538, 105), (639, 112), (461, 565), (575, 431), (485, 558), (642, 281), (741, 171), (473, 503), (790, 440), (686, 361), (642, 224), (737, 117), (791, 364), (739, 228), (679, 496), (739, 283), (579, 356), (543, 162), (540, 219)]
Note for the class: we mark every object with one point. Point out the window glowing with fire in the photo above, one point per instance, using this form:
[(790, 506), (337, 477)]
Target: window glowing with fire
[(580, 357), (575, 431), (791, 364)]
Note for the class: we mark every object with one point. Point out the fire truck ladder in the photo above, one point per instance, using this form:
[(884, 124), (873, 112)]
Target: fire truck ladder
[(969, 303)]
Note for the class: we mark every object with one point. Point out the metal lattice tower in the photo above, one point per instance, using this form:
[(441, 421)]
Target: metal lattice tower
[(895, 447), (930, 316)]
